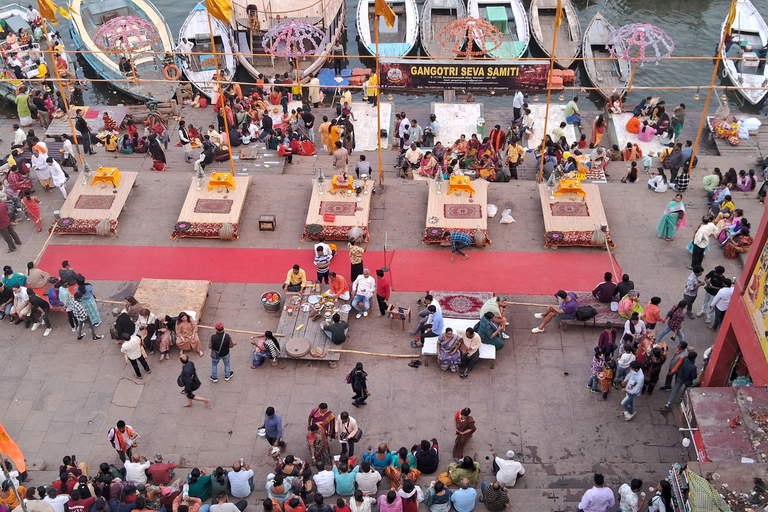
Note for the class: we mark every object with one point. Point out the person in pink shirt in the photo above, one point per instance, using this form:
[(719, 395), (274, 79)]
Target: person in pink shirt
[(383, 289), (389, 502)]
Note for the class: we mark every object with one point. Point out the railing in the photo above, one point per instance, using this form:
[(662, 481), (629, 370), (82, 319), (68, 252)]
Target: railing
[(324, 10)]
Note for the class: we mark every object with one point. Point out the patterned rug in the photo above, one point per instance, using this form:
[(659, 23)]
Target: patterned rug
[(569, 209), (222, 206), (94, 202), (463, 211), (340, 208), (464, 305)]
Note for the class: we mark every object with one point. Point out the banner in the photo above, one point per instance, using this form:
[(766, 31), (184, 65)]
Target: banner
[(463, 74), (756, 299)]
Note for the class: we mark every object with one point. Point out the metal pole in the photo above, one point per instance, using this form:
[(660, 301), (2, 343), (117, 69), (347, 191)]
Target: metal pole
[(221, 94), (549, 88), (378, 105)]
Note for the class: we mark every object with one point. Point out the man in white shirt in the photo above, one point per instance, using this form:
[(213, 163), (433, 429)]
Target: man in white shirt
[(701, 240), (135, 469), (223, 504), (405, 124), (364, 287), (184, 47), (240, 480), (21, 308), (517, 105), (56, 500), (507, 470), (629, 501), (368, 479), (326, 248), (18, 137), (325, 481), (721, 302)]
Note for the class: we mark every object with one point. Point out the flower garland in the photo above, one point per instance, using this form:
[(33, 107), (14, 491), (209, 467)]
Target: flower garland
[(457, 37), (632, 43), (293, 38)]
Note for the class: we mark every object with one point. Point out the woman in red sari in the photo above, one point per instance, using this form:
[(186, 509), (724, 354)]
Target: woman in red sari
[(32, 204), (598, 129)]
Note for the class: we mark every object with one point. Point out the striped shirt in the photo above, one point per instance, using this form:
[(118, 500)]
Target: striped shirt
[(322, 260)]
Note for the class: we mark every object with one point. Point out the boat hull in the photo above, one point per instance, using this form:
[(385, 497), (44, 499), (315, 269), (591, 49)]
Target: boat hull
[(750, 27)]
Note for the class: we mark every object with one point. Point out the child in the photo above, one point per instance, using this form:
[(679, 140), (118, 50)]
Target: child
[(606, 381), (583, 144), (607, 341), (598, 364), (341, 506), (622, 366), (652, 315), (648, 161)]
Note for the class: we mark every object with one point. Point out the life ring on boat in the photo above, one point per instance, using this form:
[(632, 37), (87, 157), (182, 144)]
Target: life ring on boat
[(66, 83), (175, 69), (725, 72)]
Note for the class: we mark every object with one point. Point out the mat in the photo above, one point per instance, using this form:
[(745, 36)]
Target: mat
[(463, 211), (569, 209), (94, 202), (340, 208), (223, 206), (462, 305)]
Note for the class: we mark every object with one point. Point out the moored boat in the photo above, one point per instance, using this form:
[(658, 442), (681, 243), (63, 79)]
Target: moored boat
[(542, 18), (393, 42), (436, 15), (749, 33), (606, 73), (510, 18)]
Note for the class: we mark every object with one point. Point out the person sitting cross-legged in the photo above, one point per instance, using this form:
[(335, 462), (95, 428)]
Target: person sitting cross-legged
[(567, 310)]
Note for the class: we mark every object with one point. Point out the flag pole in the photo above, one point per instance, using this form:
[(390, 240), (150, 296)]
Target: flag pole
[(711, 86), (558, 18), (21, 499), (221, 94), (378, 104)]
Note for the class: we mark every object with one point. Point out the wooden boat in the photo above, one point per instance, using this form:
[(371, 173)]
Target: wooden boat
[(435, 15), (393, 42), (606, 75), (543, 14), (510, 18), (251, 19), (200, 67), (750, 34), (151, 82)]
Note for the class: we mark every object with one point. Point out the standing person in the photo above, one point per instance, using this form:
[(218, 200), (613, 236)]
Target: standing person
[(191, 382), (629, 501), (633, 385), (652, 369), (122, 437), (337, 53), (518, 100), (359, 381), (273, 424), (220, 344), (719, 304), (309, 123), (185, 140), (691, 290), (83, 318), (88, 300), (32, 204), (684, 377), (498, 139), (662, 500), (82, 126), (346, 431), (323, 263), (598, 498), (7, 231), (459, 242), (700, 243), (363, 289), (340, 159), (464, 425), (672, 220), (713, 284), (383, 289), (598, 363), (134, 352)]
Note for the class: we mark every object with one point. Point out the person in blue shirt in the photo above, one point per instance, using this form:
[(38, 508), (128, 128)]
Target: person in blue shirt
[(459, 241), (273, 424), (432, 328), (464, 499), (345, 479)]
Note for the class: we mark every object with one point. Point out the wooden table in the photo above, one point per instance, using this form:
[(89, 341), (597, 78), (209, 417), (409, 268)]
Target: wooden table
[(108, 175), (208, 225), (311, 330), (571, 227), (338, 229), (437, 205), (170, 296)]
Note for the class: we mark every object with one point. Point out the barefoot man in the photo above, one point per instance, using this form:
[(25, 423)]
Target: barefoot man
[(459, 241)]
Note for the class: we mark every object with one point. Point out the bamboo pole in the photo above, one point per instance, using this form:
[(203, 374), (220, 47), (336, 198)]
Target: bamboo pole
[(341, 351), (558, 20), (255, 333), (222, 110), (378, 103)]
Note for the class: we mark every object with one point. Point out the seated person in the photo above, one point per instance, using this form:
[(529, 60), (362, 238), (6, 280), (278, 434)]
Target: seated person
[(125, 66), (461, 147), (566, 311), (140, 145), (631, 153), (487, 167), (336, 331), (630, 303), (464, 468), (646, 133), (431, 328), (643, 107), (737, 243), (498, 306), (662, 123), (490, 332), (427, 456), (412, 159), (339, 287), (126, 145), (429, 165), (615, 104), (605, 291), (380, 459), (296, 279), (439, 152), (110, 143)]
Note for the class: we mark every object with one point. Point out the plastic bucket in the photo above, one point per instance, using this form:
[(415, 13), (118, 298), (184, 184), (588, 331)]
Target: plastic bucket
[(273, 307)]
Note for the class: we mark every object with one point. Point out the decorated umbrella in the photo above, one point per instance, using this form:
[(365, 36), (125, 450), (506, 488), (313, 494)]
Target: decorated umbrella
[(640, 42), (125, 32), (293, 39), (453, 37)]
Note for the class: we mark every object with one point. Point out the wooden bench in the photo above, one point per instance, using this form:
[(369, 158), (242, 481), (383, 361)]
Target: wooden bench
[(459, 327), (604, 313)]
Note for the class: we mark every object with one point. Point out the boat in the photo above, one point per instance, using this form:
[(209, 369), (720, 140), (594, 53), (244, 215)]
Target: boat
[(251, 19), (510, 18), (199, 67), (750, 33), (607, 73), (397, 41), (436, 15), (99, 29), (543, 13)]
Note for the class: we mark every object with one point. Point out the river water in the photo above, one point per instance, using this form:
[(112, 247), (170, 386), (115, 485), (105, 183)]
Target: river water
[(694, 26)]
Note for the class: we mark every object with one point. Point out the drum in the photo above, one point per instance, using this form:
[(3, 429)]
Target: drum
[(297, 347)]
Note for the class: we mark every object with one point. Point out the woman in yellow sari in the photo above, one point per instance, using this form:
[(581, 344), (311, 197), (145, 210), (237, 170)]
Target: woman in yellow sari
[(334, 135)]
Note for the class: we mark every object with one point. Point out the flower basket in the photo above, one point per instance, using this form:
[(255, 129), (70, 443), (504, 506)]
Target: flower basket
[(66, 222), (183, 226), (555, 236), (314, 229), (435, 232)]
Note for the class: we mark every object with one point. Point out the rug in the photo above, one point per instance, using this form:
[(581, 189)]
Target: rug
[(94, 202), (464, 305), (341, 208), (222, 206), (463, 211), (569, 209)]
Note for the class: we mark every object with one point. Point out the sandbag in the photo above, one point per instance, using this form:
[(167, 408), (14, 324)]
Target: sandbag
[(506, 217), (492, 210)]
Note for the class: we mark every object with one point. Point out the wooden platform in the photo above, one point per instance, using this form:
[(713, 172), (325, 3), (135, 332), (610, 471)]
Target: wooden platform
[(338, 229), (573, 229), (755, 147), (172, 296), (79, 205), (203, 220), (367, 133), (455, 119), (620, 135), (311, 330), (556, 116), (61, 126), (436, 208)]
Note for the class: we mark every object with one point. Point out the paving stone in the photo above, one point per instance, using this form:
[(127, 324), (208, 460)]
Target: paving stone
[(127, 394)]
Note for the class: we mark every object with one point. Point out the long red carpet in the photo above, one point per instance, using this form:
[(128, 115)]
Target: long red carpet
[(520, 273)]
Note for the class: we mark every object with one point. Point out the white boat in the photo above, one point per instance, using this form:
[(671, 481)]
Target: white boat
[(510, 18), (543, 17), (606, 73), (200, 67), (750, 34), (436, 15), (393, 42)]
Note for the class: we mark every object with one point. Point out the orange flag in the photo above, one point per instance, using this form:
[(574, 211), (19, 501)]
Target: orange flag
[(559, 15), (220, 9), (11, 449), (48, 10), (731, 17), (383, 9)]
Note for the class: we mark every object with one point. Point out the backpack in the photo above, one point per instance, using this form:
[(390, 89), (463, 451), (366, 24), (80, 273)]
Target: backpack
[(348, 378), (585, 313)]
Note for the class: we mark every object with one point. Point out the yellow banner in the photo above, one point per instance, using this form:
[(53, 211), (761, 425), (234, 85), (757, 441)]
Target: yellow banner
[(383, 9), (756, 299), (220, 9), (48, 10)]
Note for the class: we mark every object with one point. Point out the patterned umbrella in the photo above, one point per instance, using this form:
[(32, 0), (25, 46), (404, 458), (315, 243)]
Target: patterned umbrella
[(293, 38), (118, 33), (640, 42), (453, 37)]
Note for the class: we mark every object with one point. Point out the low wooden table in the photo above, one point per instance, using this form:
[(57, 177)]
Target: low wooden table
[(310, 330)]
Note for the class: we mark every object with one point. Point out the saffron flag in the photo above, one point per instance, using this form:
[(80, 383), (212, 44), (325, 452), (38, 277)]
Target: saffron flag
[(11, 449), (220, 9), (731, 17), (559, 14), (48, 10), (63, 12), (383, 9)]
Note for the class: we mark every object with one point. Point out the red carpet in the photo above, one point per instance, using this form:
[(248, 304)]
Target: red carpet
[(519, 273)]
